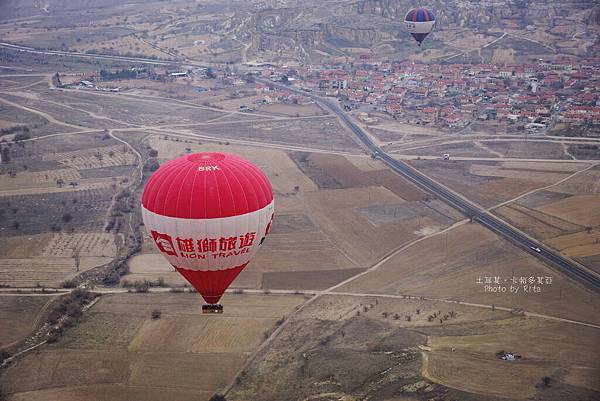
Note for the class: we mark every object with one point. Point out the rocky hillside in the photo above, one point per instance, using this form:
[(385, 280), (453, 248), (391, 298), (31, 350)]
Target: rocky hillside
[(311, 31), (343, 28)]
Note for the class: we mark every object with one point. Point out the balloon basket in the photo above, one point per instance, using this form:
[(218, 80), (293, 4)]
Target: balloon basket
[(212, 308)]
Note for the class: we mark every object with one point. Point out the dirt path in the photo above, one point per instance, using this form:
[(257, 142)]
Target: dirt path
[(90, 113), (162, 99), (251, 143), (488, 149), (331, 291), (47, 116), (553, 50), (438, 142), (43, 81), (591, 166), (394, 253), (477, 49), (401, 156), (566, 150), (38, 320)]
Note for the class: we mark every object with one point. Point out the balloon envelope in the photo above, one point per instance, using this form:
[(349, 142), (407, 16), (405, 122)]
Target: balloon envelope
[(419, 23), (208, 214)]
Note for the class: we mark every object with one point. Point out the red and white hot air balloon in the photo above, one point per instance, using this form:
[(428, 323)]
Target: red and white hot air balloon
[(208, 214)]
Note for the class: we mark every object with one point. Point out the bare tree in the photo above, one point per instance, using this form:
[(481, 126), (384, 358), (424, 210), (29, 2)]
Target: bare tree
[(76, 258)]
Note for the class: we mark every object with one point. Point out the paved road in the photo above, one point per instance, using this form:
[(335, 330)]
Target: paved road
[(86, 55), (332, 291), (403, 156), (534, 247), (498, 226)]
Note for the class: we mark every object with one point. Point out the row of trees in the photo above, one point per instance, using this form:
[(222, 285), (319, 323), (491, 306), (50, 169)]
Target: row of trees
[(67, 312), (118, 74)]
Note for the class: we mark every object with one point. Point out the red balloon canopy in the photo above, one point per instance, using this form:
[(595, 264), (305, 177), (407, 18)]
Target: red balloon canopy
[(208, 214)]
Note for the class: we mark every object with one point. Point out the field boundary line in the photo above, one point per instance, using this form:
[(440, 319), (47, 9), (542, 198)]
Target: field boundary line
[(590, 167), (393, 253), (470, 304), (316, 296)]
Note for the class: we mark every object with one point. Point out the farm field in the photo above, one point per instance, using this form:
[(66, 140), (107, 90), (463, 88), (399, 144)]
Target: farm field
[(70, 116), (86, 208), (457, 149), (321, 133), (430, 145), (11, 114), (564, 216), (545, 348), (201, 353), (19, 315), (466, 255), (281, 170), (293, 110), (336, 215), (55, 196), (418, 359), (46, 272), (96, 158), (134, 110), (367, 287), (491, 183)]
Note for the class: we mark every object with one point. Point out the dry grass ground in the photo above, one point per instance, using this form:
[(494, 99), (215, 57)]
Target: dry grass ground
[(450, 265), (579, 209), (322, 133), (540, 225), (114, 108), (48, 259), (585, 183), (281, 170), (46, 272), (365, 163), (319, 237), (118, 351), (491, 183), (459, 149), (19, 315), (565, 216), (38, 125), (24, 247), (363, 241), (580, 244), (483, 148), (86, 244), (293, 110), (525, 149), (151, 267), (565, 353), (530, 173), (122, 46), (60, 111), (355, 348), (95, 158), (110, 392)]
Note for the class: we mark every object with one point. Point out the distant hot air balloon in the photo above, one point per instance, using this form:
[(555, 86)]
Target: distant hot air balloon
[(419, 23), (208, 214)]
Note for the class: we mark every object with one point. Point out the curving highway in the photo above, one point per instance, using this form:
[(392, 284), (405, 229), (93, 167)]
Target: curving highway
[(538, 249)]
